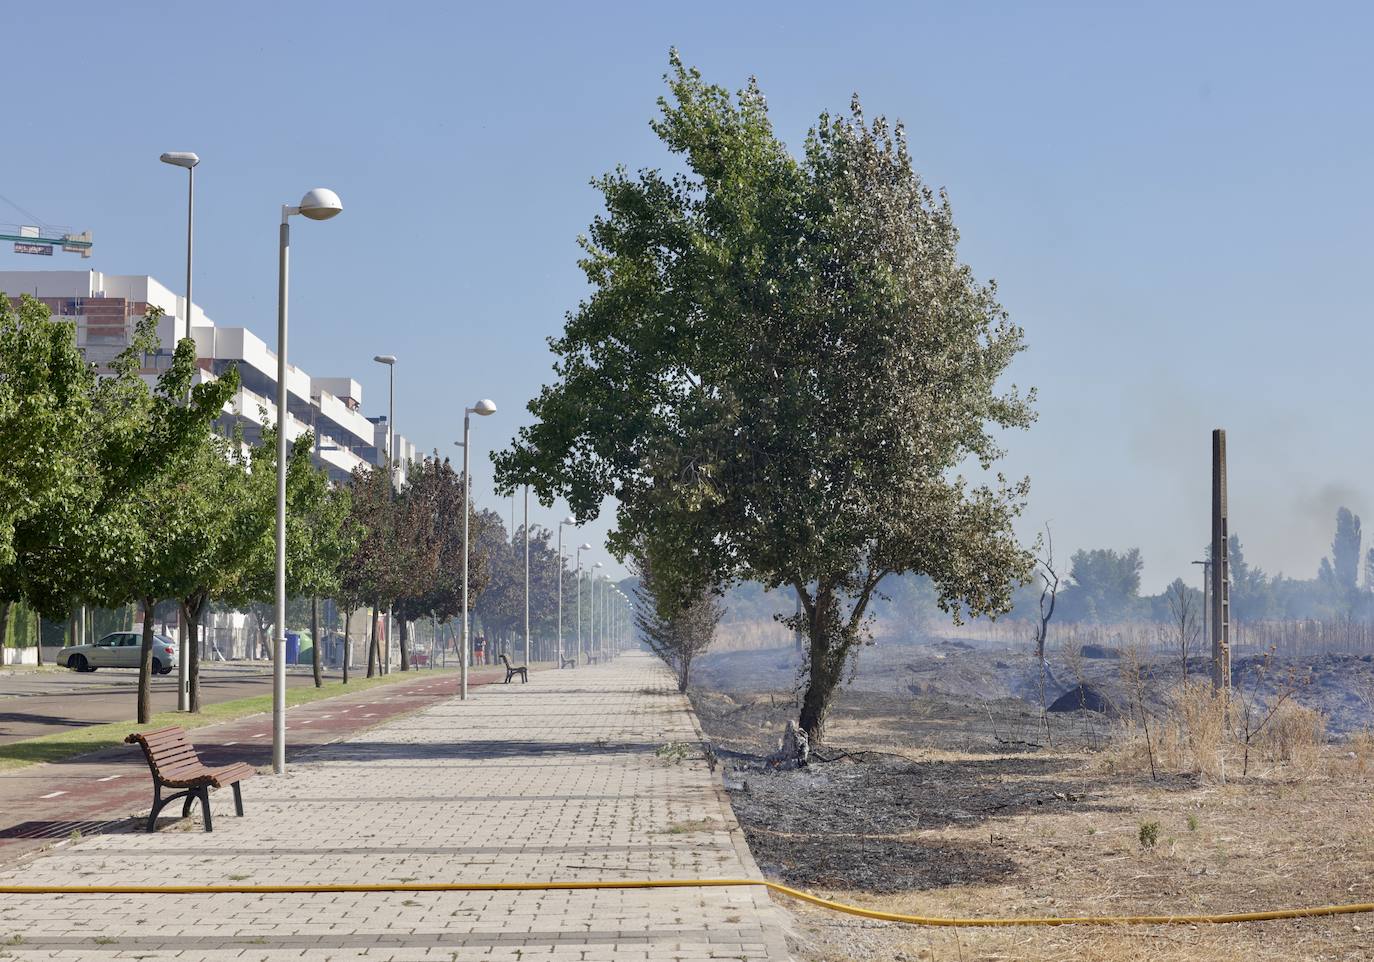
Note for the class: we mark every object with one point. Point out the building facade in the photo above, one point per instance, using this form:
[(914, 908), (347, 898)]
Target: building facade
[(105, 309)]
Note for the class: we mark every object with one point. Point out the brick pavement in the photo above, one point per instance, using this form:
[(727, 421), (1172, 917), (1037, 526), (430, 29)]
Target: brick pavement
[(559, 779)]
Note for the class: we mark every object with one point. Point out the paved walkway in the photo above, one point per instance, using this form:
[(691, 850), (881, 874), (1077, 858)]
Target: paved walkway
[(104, 791), (564, 778)]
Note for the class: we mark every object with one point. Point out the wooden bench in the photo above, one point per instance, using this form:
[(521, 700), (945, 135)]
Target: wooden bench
[(569, 662), (512, 670), (174, 763)]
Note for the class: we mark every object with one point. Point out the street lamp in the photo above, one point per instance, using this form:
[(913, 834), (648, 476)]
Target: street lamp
[(566, 521), (319, 204), (527, 574), (390, 361), (592, 638), (580, 549), (484, 408), (187, 160)]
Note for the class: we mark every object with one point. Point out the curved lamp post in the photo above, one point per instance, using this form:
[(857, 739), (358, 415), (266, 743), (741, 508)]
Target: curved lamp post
[(186, 160), (390, 361), (485, 408), (319, 204)]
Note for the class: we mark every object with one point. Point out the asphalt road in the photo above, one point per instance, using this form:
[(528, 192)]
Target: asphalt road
[(43, 702)]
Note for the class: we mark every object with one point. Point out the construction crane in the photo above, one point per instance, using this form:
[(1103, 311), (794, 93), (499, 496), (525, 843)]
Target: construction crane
[(43, 239), (31, 240)]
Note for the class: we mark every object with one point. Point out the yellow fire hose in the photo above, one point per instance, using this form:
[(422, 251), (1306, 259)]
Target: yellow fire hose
[(1316, 911)]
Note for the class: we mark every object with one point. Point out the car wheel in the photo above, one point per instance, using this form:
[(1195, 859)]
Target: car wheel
[(77, 663), (157, 667)]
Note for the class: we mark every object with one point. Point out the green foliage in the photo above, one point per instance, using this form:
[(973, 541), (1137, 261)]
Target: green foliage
[(1104, 586), (779, 372), (1148, 834), (674, 631), (45, 417)]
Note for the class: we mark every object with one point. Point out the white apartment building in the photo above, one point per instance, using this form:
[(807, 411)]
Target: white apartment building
[(105, 308)]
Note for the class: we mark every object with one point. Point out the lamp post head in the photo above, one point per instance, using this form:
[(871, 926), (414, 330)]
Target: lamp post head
[(585, 547), (484, 407), (320, 204), (598, 565), (570, 520), (387, 359), (180, 158)]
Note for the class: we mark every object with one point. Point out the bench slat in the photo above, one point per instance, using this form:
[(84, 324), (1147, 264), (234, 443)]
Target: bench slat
[(168, 748), (165, 741)]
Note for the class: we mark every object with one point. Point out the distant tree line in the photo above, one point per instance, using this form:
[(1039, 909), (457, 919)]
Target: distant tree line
[(1103, 586)]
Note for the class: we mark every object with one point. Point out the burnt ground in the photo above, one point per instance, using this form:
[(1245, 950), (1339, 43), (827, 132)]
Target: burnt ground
[(939, 791)]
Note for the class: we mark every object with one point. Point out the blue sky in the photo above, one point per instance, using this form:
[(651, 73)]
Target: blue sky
[(1174, 200)]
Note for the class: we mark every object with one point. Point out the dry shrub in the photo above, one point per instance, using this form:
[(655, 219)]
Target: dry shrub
[(1189, 735), (1361, 751), (1293, 734)]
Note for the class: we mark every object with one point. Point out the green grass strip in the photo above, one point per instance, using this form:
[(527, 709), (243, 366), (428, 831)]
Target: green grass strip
[(53, 748)]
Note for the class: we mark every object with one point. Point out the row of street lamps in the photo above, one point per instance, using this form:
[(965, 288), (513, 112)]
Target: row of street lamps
[(322, 204)]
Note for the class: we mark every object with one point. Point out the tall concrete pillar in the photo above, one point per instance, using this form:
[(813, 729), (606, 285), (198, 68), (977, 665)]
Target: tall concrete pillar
[(1220, 571)]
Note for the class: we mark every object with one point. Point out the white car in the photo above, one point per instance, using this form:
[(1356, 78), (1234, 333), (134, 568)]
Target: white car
[(120, 649)]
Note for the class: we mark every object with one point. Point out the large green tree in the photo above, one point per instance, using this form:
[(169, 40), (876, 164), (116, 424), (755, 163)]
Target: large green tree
[(45, 420), (143, 529), (221, 540), (779, 372), (430, 541)]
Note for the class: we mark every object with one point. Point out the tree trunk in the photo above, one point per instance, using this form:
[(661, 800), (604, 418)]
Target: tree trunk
[(405, 644), (316, 641), (191, 610), (145, 664), (348, 642), (5, 607), (826, 664), (372, 644)]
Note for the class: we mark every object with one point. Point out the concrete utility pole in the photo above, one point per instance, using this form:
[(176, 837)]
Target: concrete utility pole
[(1220, 571)]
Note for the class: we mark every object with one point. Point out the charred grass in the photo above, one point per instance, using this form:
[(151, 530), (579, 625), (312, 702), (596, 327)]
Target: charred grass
[(938, 806)]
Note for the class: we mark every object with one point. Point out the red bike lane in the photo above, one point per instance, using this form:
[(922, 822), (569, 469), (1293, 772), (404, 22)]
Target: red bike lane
[(105, 791)]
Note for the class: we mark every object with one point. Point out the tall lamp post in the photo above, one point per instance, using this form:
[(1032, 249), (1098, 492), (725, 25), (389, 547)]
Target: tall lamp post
[(527, 574), (580, 548), (594, 643), (561, 525), (390, 361), (187, 160), (319, 204), (485, 408)]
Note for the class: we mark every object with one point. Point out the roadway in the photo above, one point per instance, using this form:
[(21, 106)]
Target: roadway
[(43, 702)]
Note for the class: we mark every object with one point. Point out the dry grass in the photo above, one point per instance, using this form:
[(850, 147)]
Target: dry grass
[(1265, 843), (1293, 832), (1194, 734)]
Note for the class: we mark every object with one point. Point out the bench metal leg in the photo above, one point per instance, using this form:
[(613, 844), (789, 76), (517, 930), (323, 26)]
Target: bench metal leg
[(204, 794), (238, 801), (524, 677), (159, 803)]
